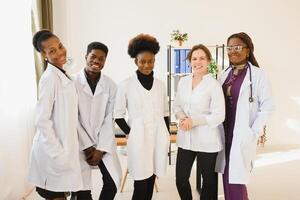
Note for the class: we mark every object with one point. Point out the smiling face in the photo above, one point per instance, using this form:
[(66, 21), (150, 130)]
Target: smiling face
[(145, 62), (95, 61), (54, 51), (199, 62), (237, 51)]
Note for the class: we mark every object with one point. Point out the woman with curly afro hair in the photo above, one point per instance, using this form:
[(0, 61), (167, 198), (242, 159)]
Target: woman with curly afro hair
[(143, 98)]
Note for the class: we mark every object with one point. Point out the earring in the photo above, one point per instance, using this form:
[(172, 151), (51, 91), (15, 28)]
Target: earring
[(46, 59)]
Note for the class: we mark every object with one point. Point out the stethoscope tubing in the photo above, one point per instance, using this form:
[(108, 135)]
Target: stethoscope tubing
[(251, 89)]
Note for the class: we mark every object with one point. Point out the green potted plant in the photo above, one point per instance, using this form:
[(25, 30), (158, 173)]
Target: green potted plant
[(213, 68), (179, 37)]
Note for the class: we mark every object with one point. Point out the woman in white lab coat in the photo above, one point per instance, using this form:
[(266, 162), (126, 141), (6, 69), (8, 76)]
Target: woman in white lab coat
[(143, 98), (54, 165), (199, 106), (97, 141), (248, 105)]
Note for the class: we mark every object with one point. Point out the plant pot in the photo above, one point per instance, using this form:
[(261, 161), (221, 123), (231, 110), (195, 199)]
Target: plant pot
[(179, 42)]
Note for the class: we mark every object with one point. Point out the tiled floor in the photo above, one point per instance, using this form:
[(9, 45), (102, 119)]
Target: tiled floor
[(275, 177)]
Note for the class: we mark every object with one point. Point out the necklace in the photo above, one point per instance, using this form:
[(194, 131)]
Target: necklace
[(238, 68)]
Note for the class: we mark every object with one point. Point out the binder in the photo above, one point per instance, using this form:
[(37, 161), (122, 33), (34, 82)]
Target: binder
[(188, 67), (177, 61), (182, 61)]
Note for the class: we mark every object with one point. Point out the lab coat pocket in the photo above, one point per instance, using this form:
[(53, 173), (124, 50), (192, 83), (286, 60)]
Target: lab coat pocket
[(59, 164), (248, 148), (136, 136), (52, 165), (163, 138), (135, 145)]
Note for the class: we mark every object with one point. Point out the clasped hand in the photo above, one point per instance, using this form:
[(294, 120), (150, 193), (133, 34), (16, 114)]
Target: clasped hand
[(93, 156), (186, 124)]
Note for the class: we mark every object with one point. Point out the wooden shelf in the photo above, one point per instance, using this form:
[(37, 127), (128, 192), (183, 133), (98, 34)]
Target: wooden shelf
[(123, 141)]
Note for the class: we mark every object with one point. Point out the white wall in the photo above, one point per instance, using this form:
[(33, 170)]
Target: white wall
[(274, 26), (17, 97)]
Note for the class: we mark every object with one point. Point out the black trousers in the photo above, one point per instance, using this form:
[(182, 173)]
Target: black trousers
[(184, 163), (47, 194), (143, 189), (108, 191)]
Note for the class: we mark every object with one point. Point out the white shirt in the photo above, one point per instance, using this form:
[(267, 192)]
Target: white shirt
[(206, 101)]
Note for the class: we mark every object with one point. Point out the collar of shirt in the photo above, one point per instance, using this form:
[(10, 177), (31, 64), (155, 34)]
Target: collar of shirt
[(92, 83), (60, 69), (89, 79)]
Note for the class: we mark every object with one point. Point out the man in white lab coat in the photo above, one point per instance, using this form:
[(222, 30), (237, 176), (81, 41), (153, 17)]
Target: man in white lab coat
[(96, 94)]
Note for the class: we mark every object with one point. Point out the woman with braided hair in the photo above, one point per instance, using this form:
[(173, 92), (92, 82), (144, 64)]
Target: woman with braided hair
[(143, 98), (248, 106)]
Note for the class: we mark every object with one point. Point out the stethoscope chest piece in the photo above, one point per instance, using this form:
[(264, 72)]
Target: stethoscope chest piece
[(251, 99)]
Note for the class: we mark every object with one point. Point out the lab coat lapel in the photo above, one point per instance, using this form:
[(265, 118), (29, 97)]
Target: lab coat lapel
[(64, 79), (84, 83), (246, 83), (100, 86), (139, 87)]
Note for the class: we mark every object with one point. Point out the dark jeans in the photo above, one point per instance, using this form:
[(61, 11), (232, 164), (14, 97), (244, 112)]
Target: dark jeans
[(108, 191), (143, 189), (184, 163)]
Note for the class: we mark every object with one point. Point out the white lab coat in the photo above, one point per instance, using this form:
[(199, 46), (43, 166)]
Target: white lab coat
[(148, 140), (249, 122), (54, 163), (205, 101), (96, 125)]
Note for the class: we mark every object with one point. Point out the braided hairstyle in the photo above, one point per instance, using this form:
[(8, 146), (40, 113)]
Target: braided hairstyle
[(247, 40), (141, 43)]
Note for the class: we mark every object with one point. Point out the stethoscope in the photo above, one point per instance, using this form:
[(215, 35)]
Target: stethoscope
[(251, 99)]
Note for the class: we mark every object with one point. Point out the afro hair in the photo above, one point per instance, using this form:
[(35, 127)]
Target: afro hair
[(141, 43)]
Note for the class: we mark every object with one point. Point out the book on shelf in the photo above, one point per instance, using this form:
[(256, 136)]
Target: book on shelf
[(180, 64)]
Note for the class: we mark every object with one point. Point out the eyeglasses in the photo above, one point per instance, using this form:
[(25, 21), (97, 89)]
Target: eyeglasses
[(237, 48)]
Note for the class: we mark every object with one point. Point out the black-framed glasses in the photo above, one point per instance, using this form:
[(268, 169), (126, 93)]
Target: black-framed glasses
[(237, 48)]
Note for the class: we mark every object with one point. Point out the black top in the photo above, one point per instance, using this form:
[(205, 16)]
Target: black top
[(145, 80), (92, 82), (147, 83)]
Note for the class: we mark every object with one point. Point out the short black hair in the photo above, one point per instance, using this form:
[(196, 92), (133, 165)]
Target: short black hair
[(39, 37), (141, 43), (97, 45)]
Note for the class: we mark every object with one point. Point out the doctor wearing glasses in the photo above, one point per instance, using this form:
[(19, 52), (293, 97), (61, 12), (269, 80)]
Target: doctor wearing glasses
[(248, 105)]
